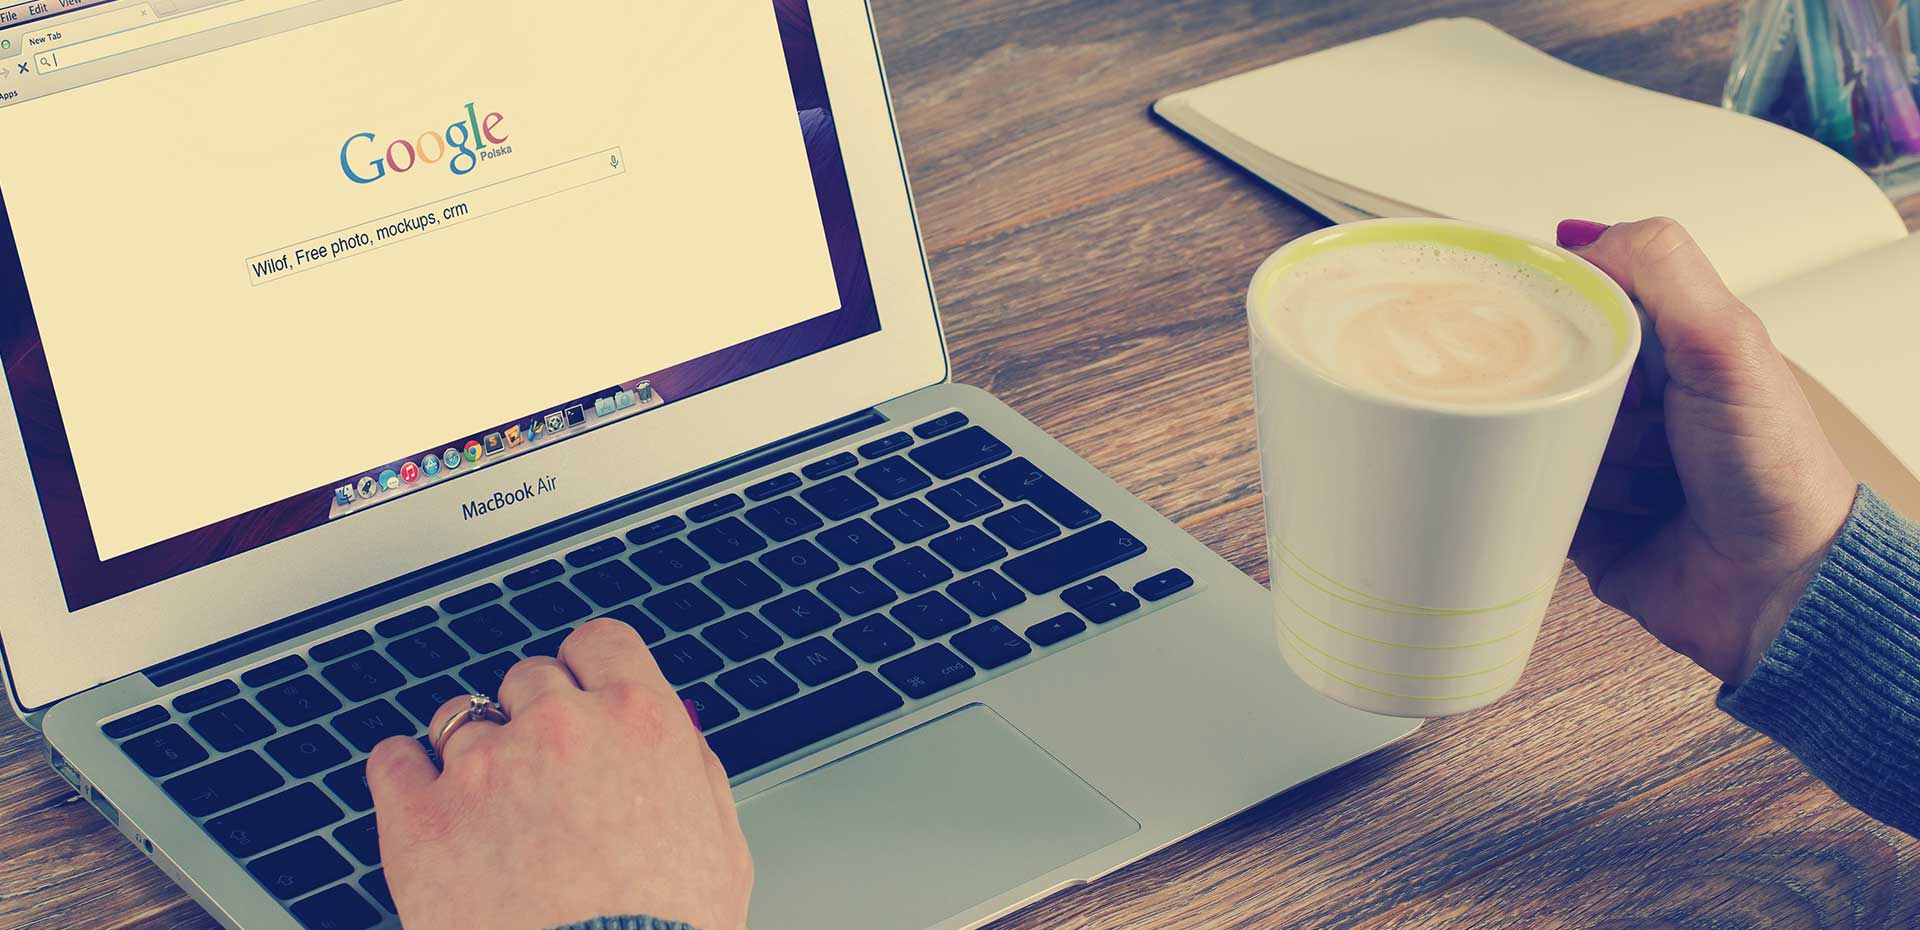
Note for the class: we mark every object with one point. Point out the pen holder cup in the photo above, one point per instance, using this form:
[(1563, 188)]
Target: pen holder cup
[(1845, 72)]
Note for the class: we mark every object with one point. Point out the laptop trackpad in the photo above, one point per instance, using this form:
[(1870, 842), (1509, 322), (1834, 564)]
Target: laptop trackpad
[(918, 828)]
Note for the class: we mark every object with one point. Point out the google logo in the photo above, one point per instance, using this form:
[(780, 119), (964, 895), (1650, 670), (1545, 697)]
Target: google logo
[(429, 148)]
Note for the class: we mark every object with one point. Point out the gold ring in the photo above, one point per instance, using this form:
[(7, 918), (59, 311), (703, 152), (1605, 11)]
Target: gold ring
[(479, 707)]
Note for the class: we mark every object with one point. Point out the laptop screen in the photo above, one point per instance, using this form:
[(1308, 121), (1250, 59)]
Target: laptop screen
[(270, 264)]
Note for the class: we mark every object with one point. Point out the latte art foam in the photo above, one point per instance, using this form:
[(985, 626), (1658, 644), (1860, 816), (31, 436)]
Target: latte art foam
[(1438, 323)]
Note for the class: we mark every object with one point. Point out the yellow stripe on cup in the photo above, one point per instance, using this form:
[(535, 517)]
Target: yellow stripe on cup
[(1383, 693), (1565, 267), (1371, 602), (1516, 631), (1288, 629)]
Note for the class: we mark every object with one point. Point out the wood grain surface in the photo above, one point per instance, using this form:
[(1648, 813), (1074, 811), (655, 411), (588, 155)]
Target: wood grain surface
[(1090, 265)]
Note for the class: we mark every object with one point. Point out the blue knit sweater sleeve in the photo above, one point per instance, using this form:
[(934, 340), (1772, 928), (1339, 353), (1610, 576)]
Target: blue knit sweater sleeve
[(635, 922), (1840, 687)]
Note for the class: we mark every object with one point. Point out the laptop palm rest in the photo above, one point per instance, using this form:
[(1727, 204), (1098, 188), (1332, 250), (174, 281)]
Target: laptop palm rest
[(920, 827)]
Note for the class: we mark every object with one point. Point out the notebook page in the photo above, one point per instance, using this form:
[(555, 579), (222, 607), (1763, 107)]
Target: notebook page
[(1455, 118)]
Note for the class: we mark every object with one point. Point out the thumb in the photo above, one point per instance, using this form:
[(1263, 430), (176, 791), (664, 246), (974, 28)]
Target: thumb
[(398, 770), (1710, 339)]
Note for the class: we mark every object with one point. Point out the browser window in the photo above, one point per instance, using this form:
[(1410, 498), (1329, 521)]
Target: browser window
[(274, 262)]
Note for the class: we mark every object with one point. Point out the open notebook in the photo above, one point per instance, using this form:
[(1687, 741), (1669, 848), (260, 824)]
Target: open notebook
[(1452, 117)]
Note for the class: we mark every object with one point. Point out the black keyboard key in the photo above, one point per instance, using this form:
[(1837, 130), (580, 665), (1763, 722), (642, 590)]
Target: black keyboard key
[(597, 552), (360, 839), (650, 632), (712, 709), (799, 563), (611, 583), (1111, 607), (799, 614), (854, 541), (831, 465), (816, 661), (298, 700), (874, 638), (217, 786), (930, 615), (968, 548), (912, 570), (548, 645), (300, 868), (375, 885), (461, 603), (341, 645), (489, 629), (164, 751), (552, 606), (986, 593), (231, 725), (670, 562), (368, 724), (683, 608), (741, 585), (349, 782), (784, 519), (427, 652), (423, 699), (990, 645), (656, 530), (893, 478), (337, 908), (910, 520), (1164, 585), (927, 671), (283, 667), (135, 722), (1090, 591), (1022, 527), (941, 425), (857, 592), (707, 510), (727, 540), (773, 487), (741, 638), (960, 452), (1068, 560), (307, 751), (1020, 480), (1048, 632), (800, 723), (533, 575), (363, 676), (963, 500), (884, 445), (205, 697), (275, 819), (484, 676), (685, 659), (757, 684), (840, 498)]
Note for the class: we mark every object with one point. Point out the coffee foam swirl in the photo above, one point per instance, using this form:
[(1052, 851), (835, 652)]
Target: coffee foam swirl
[(1438, 323)]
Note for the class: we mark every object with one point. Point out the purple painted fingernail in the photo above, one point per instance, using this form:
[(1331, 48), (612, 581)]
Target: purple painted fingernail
[(1576, 234), (692, 713)]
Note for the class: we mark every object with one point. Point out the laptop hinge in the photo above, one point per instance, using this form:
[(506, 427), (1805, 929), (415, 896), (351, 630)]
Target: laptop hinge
[(369, 599)]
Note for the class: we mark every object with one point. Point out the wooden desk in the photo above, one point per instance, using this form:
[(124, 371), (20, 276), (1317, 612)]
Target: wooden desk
[(1091, 265)]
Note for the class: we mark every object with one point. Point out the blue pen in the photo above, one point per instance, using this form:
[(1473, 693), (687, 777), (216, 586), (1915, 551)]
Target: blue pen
[(1826, 93), (1760, 62)]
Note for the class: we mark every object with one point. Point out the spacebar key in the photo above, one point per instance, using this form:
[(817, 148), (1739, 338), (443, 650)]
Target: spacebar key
[(1068, 560), (800, 723)]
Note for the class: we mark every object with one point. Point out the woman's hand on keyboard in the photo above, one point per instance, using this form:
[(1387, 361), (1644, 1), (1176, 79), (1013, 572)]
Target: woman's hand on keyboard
[(598, 799)]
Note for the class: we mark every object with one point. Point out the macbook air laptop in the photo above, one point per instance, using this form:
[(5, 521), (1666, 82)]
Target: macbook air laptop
[(357, 349)]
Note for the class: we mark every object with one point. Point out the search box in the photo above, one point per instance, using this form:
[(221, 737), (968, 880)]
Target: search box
[(178, 27), (425, 219)]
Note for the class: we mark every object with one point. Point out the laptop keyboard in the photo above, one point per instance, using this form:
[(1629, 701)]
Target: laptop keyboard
[(789, 612)]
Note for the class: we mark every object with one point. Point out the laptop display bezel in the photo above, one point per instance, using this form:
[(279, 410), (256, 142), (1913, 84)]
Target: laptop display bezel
[(49, 653)]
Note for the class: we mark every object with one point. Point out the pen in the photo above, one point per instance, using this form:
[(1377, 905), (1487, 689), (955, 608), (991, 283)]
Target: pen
[(1889, 102), (1760, 63), (1831, 104)]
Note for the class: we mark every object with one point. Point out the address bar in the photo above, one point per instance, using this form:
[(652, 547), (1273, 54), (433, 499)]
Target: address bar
[(178, 27)]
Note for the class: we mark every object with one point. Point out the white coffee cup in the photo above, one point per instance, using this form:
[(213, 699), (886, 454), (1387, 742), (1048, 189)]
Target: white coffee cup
[(1413, 545)]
